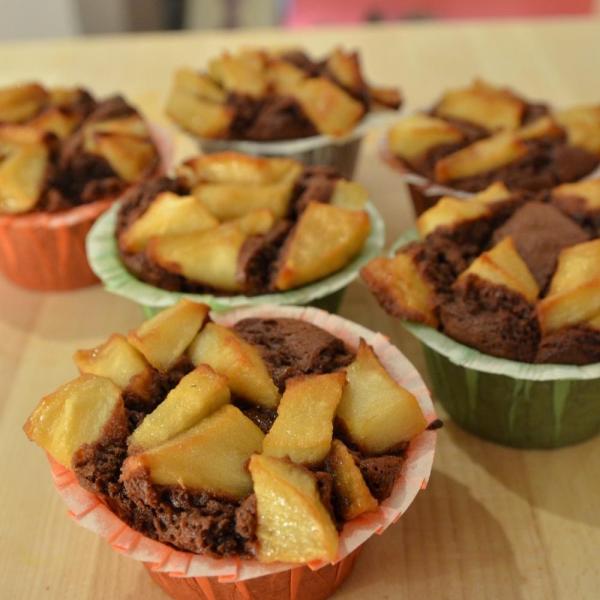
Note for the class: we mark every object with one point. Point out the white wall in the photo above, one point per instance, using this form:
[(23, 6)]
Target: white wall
[(26, 19)]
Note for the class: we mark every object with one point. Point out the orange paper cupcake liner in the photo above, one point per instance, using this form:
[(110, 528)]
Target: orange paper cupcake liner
[(202, 575)]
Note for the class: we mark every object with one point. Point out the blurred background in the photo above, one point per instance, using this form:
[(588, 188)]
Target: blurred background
[(23, 19)]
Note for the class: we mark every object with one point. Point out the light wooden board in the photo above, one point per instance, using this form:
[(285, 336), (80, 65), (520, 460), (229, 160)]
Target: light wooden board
[(494, 523)]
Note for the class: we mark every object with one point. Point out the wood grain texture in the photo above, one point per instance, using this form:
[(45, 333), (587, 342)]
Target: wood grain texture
[(494, 523)]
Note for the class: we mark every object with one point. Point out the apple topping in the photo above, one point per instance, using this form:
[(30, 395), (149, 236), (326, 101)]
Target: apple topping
[(495, 192), (345, 69), (75, 414), (480, 157), (449, 212), (165, 337), (543, 127), (243, 73), (199, 85), (503, 265), (241, 363), (401, 289), (582, 124), (303, 428), (168, 214), (588, 190), (413, 136), (197, 395), (283, 76), (333, 111), (354, 497), (574, 294), (293, 525), (120, 362), (349, 194), (304, 256), (375, 411), (209, 457), (56, 121), (21, 102), (483, 104)]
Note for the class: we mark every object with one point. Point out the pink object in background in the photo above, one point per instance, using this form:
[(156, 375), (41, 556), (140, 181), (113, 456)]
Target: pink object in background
[(314, 12)]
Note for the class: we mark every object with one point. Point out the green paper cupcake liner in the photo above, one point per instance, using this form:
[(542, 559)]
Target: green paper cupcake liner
[(517, 404), (103, 256)]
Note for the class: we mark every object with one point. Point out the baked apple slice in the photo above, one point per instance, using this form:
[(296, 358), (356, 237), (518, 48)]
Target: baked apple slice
[(78, 413), (293, 525), (574, 294), (303, 428), (354, 497), (349, 194), (197, 395), (376, 413), (345, 69), (503, 265), (57, 121), (210, 457), (401, 289), (130, 126), (582, 124), (586, 191), (164, 338), (242, 74), (305, 258), (168, 214), (120, 362), (283, 76), (414, 136), (21, 102), (199, 85), (230, 356), (449, 212)]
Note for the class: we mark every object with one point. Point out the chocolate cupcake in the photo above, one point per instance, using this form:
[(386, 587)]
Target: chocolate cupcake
[(509, 277), (66, 156), (240, 443)]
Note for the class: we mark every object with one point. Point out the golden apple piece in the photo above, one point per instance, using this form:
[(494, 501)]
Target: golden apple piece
[(480, 157), (22, 178), (168, 214), (197, 395), (77, 413), (480, 103), (210, 257), (401, 289), (414, 136), (283, 76), (388, 97), (210, 457), (21, 102), (293, 525), (449, 212), (303, 428), (582, 124), (377, 413), (241, 363), (345, 69), (56, 121), (120, 362), (13, 137), (503, 265), (199, 85), (325, 239), (588, 190), (329, 107), (164, 338), (130, 125), (543, 127), (349, 194), (201, 117), (574, 294), (495, 192), (354, 497), (129, 156), (239, 74)]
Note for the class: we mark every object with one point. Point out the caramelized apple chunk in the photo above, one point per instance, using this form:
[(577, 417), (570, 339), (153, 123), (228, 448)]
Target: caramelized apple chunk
[(304, 256), (449, 212), (238, 361), (197, 395), (210, 457), (582, 124), (293, 525), (164, 338), (349, 194), (75, 414), (354, 497), (375, 411), (588, 191), (21, 102), (303, 428)]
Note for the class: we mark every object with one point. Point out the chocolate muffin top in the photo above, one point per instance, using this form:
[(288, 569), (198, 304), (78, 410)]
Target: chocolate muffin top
[(479, 134), (264, 95), (248, 441), (510, 275), (61, 147)]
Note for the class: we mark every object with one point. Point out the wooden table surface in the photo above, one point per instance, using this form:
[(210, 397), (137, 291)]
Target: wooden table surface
[(494, 522)]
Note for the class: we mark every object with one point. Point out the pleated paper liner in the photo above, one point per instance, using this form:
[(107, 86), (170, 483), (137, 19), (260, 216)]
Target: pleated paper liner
[(340, 153), (103, 255), (190, 576), (513, 403), (46, 251)]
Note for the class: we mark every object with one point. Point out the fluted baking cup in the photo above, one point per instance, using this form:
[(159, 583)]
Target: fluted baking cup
[(103, 255), (513, 403), (46, 251), (203, 575)]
